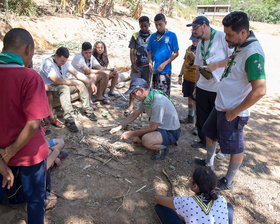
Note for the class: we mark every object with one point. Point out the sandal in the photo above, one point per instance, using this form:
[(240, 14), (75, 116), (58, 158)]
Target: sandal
[(62, 155), (50, 202), (127, 112), (57, 124), (104, 101)]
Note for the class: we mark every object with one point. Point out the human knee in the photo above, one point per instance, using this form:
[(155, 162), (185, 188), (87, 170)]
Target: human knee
[(146, 141)]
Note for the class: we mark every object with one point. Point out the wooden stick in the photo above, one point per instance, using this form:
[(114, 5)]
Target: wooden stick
[(169, 180)]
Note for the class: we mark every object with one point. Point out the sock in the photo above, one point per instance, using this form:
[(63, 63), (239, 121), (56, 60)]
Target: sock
[(232, 168), (190, 110), (162, 147), (211, 150)]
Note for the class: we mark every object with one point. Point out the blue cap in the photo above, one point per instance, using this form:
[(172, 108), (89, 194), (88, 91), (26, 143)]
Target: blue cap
[(199, 20), (137, 83), (193, 38)]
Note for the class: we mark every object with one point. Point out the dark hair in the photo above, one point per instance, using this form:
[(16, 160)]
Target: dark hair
[(103, 59), (62, 51), (17, 37), (144, 19), (86, 46), (206, 180), (159, 16), (237, 21)]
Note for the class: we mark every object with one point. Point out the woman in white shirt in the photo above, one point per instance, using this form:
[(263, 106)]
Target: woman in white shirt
[(205, 206)]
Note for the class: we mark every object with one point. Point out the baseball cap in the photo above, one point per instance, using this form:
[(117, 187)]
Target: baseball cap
[(137, 83), (199, 20), (193, 38)]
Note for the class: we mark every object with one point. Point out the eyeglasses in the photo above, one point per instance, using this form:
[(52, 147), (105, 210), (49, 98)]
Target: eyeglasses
[(134, 92), (196, 27)]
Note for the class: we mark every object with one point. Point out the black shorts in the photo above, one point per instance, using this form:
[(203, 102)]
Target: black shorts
[(188, 88)]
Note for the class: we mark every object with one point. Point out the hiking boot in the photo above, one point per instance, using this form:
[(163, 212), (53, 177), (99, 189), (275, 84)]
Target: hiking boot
[(198, 144), (224, 185), (71, 126), (91, 116), (160, 154)]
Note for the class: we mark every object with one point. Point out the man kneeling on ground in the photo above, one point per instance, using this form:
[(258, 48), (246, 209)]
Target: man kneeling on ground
[(164, 126), (55, 72)]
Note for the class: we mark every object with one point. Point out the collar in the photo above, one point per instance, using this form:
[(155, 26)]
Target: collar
[(10, 58), (250, 39)]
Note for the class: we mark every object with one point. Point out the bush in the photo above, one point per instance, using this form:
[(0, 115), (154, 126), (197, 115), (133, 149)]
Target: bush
[(257, 13), (23, 7), (274, 14)]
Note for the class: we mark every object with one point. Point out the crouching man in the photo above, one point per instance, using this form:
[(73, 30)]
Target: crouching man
[(164, 126)]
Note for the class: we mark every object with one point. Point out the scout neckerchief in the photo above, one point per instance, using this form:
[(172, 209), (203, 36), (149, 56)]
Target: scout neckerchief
[(145, 36), (159, 36), (250, 39), (205, 207), (10, 58), (150, 98), (204, 55), (59, 67)]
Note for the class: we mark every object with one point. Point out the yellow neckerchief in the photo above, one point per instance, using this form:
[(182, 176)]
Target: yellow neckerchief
[(202, 205)]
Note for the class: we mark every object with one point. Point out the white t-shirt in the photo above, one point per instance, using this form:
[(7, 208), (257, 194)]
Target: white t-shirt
[(79, 61), (248, 65), (217, 52), (188, 208), (50, 68)]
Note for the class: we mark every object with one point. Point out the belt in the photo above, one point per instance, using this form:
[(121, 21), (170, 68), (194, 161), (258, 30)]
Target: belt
[(176, 131)]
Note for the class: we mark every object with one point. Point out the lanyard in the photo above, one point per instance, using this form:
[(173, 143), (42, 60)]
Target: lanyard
[(204, 55), (250, 39)]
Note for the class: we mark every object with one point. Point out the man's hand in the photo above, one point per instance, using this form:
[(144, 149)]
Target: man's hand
[(94, 88), (79, 87), (4, 153), (211, 67), (231, 114), (116, 129), (151, 66), (194, 93), (8, 177), (126, 135), (180, 80), (134, 68), (161, 67), (190, 53)]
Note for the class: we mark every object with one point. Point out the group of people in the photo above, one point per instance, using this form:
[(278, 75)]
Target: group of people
[(223, 76)]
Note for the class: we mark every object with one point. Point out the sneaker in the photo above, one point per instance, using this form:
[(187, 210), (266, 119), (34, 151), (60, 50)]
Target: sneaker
[(198, 144), (220, 155), (92, 116), (224, 185), (195, 132), (71, 126), (113, 94), (160, 154), (200, 162)]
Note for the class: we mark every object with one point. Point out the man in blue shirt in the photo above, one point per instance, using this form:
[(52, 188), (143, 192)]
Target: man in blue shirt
[(163, 49)]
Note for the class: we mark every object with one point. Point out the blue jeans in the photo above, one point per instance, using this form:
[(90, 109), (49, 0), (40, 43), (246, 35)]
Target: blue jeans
[(169, 216), (33, 181)]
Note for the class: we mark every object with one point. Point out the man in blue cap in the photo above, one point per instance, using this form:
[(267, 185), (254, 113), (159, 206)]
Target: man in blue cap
[(212, 54), (164, 125)]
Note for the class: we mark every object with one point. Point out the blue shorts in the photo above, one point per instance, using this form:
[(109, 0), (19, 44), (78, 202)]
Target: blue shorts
[(187, 89), (169, 137), (229, 134)]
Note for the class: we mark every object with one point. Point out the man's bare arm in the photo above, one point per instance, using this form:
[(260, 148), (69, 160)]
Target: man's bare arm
[(169, 60), (257, 92)]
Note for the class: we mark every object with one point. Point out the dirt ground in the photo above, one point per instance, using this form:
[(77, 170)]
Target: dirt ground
[(105, 180)]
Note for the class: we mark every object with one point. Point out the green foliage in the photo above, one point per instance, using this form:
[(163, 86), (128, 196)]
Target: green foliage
[(70, 45), (23, 7), (257, 13), (274, 14)]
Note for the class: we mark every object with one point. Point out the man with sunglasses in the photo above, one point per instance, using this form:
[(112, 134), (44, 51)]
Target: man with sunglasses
[(164, 125), (211, 57)]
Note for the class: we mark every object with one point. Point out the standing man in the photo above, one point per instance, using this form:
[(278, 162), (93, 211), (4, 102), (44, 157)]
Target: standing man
[(211, 57), (64, 80), (139, 56), (243, 84), (164, 125), (163, 49), (23, 104)]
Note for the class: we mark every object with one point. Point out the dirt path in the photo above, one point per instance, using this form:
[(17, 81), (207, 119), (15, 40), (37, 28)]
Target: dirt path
[(105, 180)]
